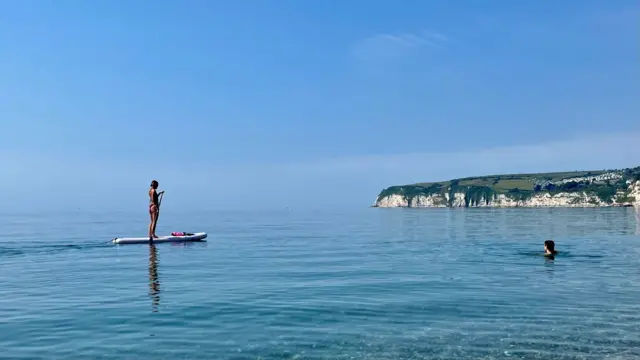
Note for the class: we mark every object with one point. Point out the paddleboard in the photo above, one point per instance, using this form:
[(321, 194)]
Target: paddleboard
[(162, 239)]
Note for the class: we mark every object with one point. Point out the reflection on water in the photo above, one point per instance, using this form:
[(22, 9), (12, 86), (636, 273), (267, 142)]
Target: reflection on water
[(637, 220), (154, 283), (549, 266), (386, 284)]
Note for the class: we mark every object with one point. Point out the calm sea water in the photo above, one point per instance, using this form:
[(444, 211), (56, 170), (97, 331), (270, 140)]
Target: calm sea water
[(369, 284)]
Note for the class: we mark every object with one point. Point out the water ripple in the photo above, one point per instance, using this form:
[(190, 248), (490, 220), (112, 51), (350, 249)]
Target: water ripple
[(376, 284)]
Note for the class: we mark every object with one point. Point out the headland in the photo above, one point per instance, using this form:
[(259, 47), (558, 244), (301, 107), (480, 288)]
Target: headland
[(595, 188)]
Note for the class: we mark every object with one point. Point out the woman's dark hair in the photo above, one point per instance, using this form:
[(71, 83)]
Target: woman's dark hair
[(154, 183), (550, 245)]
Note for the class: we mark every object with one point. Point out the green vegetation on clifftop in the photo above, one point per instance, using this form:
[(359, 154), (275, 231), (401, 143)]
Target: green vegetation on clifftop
[(604, 184)]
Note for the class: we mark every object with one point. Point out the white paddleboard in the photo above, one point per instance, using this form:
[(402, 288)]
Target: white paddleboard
[(162, 239)]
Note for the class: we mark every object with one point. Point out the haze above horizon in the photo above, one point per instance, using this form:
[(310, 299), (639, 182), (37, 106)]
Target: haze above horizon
[(285, 103)]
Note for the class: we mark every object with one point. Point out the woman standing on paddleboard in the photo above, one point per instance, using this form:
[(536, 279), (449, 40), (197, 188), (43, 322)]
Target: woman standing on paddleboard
[(153, 209)]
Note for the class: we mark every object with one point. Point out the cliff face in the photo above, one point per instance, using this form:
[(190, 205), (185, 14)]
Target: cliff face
[(631, 197), (635, 193)]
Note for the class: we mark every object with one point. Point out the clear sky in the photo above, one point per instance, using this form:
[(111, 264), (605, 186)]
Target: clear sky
[(268, 104)]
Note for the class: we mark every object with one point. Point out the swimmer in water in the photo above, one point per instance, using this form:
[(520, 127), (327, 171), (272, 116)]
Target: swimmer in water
[(550, 248)]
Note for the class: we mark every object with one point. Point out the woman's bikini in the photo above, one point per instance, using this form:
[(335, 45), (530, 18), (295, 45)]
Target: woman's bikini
[(153, 201)]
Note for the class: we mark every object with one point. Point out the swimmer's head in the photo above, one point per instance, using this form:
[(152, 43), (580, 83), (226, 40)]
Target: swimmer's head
[(550, 247)]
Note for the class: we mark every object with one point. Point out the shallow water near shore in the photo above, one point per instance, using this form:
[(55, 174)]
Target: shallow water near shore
[(357, 284)]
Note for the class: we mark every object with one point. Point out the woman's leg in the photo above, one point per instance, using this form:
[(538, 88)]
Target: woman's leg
[(153, 213), (155, 223)]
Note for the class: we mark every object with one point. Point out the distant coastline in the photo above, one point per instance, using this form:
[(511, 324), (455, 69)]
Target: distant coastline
[(596, 188)]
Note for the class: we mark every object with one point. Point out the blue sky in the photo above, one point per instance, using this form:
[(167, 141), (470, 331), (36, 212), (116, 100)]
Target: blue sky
[(268, 104)]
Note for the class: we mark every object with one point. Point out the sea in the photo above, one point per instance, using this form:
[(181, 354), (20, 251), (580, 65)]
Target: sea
[(353, 284)]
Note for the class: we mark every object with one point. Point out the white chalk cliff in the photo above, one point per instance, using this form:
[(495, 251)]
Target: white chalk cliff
[(542, 199), (635, 193)]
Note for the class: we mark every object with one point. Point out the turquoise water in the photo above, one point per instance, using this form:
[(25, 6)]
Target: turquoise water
[(366, 284)]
